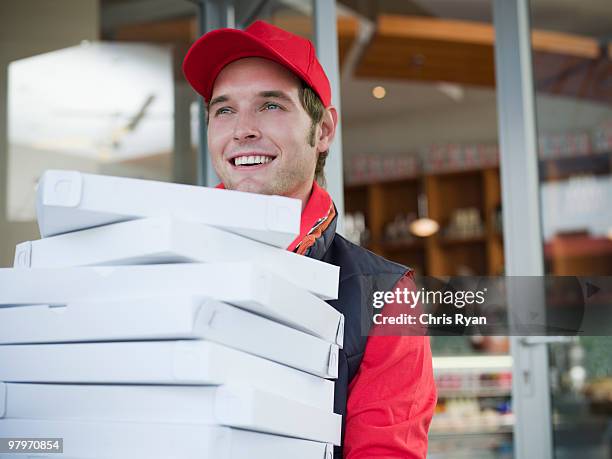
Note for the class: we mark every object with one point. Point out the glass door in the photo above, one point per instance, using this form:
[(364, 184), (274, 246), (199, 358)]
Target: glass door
[(572, 69), (554, 65)]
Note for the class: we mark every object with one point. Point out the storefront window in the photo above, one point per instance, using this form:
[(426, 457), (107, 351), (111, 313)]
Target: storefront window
[(572, 66), (422, 184), (94, 87), (420, 137)]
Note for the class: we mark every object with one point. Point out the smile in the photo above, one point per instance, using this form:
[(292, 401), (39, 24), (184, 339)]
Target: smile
[(250, 161)]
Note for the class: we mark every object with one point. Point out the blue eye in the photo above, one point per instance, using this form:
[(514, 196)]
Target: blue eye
[(222, 110), (270, 105)]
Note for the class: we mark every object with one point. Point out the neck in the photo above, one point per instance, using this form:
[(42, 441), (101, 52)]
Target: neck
[(303, 195)]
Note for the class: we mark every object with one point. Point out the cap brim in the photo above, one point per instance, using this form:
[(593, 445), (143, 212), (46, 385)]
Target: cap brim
[(218, 48)]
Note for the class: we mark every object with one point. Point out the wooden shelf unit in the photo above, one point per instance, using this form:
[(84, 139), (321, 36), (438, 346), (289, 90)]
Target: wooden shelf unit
[(579, 255), (436, 255)]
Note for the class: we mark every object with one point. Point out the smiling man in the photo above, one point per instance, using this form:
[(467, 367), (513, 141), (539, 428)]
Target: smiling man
[(252, 100), (270, 125)]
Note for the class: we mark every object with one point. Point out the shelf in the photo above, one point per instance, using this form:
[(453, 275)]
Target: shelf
[(382, 202), (503, 424), (483, 363), (578, 246), (467, 393), (394, 246), (481, 238), (484, 430)]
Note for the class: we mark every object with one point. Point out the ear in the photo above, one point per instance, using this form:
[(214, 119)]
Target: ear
[(328, 129)]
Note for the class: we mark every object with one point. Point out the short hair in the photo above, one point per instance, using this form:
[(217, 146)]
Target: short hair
[(314, 107)]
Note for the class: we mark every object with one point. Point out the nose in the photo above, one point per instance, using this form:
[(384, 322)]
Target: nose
[(246, 128)]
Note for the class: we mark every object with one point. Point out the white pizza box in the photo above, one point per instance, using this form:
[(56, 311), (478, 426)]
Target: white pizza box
[(172, 317), (140, 440), (160, 362), (232, 405), (167, 240), (70, 200), (242, 284)]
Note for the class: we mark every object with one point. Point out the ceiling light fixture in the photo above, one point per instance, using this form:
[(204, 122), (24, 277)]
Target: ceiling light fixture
[(379, 92), (423, 226)]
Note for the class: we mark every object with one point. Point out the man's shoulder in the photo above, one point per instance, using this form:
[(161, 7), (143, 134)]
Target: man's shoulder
[(356, 260)]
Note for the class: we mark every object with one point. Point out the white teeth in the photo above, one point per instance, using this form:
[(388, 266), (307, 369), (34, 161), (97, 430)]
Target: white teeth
[(240, 160)]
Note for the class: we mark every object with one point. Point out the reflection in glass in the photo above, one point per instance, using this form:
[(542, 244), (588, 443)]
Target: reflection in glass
[(572, 72), (98, 107)]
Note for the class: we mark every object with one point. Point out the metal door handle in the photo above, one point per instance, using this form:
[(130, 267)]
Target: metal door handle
[(540, 340)]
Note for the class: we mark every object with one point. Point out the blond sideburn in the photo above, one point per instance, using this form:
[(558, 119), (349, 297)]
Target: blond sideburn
[(315, 109)]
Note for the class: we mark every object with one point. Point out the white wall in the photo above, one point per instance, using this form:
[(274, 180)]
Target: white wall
[(409, 133), (580, 203), (27, 28), (462, 123), (25, 166)]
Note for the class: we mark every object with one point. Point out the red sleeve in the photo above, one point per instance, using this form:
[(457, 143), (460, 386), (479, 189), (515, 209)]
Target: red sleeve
[(392, 397)]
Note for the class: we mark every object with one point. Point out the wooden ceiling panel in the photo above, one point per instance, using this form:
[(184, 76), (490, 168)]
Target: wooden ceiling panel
[(347, 32), (415, 48), (432, 49), (427, 60), (182, 30), (572, 76)]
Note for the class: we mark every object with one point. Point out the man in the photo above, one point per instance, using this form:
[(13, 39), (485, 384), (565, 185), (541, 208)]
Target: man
[(270, 125)]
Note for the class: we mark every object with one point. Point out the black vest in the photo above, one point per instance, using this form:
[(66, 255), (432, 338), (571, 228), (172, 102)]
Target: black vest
[(361, 274)]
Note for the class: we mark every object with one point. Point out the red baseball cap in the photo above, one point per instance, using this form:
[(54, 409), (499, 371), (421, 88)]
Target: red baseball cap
[(217, 48)]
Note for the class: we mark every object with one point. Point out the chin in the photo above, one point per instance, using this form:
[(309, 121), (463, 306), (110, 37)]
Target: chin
[(249, 186)]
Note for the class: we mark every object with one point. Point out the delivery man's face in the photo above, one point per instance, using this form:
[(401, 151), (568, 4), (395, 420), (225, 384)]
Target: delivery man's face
[(258, 131)]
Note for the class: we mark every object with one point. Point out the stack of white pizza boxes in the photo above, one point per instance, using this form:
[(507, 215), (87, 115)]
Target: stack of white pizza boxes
[(158, 320)]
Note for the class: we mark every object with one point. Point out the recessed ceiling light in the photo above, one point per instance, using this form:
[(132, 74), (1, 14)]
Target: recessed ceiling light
[(379, 92)]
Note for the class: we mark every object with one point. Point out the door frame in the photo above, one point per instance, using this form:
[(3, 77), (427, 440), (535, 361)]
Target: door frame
[(517, 126)]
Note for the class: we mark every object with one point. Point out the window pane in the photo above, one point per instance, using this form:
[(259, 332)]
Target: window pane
[(92, 86), (572, 75)]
